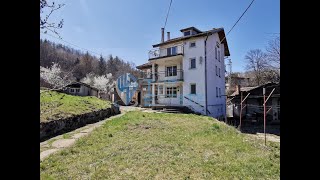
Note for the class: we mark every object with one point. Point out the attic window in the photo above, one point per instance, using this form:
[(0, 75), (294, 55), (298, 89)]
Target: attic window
[(186, 33)]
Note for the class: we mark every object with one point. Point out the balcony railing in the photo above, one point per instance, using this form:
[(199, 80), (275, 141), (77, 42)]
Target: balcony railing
[(164, 76), (169, 76), (165, 52)]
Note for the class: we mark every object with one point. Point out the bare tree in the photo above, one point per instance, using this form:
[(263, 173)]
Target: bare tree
[(257, 63), (46, 9), (273, 52)]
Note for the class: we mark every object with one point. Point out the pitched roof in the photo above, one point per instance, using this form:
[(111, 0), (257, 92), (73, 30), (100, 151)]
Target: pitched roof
[(247, 89), (220, 32), (191, 28), (145, 65), (81, 83)]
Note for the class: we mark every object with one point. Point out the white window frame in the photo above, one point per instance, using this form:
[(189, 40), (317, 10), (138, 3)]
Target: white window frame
[(171, 90), (167, 72), (160, 92), (195, 63)]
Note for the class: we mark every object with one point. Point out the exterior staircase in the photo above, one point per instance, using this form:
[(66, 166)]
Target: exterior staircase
[(172, 109)]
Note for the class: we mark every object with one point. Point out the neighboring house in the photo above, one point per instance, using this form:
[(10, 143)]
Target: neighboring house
[(253, 105), (81, 89), (233, 80), (187, 71)]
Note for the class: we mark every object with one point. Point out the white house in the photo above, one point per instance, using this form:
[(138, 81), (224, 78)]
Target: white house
[(187, 71)]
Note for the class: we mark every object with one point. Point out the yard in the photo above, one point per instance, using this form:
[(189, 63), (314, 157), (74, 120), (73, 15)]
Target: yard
[(54, 105), (141, 145)]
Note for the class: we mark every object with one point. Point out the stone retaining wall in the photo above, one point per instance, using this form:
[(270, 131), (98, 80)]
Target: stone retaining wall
[(60, 126)]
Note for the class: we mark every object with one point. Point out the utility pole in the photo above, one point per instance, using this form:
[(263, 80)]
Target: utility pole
[(242, 107), (264, 112)]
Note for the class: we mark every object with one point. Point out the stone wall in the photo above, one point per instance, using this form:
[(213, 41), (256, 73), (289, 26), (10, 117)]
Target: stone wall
[(60, 126)]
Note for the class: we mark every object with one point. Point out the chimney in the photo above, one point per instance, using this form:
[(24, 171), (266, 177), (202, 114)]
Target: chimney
[(168, 36), (162, 35)]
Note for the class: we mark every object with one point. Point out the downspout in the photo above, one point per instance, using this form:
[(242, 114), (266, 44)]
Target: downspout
[(205, 72)]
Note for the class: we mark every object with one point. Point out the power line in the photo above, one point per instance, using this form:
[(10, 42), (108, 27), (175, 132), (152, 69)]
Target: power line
[(238, 20), (72, 44), (167, 15), (234, 24)]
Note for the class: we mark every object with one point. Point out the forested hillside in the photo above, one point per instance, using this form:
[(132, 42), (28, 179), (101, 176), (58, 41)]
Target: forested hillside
[(79, 64)]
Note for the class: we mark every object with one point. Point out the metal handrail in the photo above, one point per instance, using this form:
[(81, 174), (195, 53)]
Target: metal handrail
[(163, 52)]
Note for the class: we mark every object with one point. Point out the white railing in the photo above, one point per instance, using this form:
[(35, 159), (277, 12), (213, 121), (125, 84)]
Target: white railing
[(172, 76), (164, 52)]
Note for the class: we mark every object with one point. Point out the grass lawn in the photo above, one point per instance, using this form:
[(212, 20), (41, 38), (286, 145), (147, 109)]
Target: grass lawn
[(164, 146), (54, 105)]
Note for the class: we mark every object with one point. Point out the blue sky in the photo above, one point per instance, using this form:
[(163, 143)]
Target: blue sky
[(129, 28)]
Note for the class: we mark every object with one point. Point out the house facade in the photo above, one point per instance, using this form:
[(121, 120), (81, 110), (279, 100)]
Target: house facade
[(81, 89), (187, 71)]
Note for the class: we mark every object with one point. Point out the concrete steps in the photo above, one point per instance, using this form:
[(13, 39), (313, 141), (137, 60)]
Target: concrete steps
[(171, 110)]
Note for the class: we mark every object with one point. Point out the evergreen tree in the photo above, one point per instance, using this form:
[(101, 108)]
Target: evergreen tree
[(102, 66)]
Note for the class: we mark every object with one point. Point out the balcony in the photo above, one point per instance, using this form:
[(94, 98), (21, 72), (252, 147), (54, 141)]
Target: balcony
[(173, 75), (166, 52), (169, 76)]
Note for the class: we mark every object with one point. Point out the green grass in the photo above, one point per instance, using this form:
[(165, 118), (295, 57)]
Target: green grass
[(54, 105), (164, 146)]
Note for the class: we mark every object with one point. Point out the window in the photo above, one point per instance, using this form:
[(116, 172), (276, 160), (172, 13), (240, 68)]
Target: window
[(215, 52), (219, 92), (192, 63), (172, 51), (193, 89), (71, 90), (218, 45), (77, 90), (219, 73), (216, 70), (186, 33), (219, 56), (160, 89), (171, 92), (216, 91), (171, 71), (193, 44)]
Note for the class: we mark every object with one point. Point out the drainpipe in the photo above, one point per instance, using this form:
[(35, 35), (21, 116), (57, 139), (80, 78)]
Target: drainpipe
[(205, 72)]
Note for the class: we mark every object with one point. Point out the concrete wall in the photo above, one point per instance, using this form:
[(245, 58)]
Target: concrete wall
[(194, 76), (56, 127), (216, 105)]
